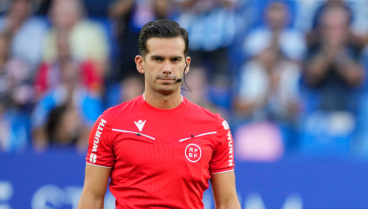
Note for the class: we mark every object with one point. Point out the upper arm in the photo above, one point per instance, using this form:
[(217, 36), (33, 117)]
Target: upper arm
[(96, 179), (100, 159), (222, 169), (224, 191), (223, 154), (95, 185)]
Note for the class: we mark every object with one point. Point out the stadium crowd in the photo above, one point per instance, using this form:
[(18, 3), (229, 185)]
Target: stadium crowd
[(289, 76)]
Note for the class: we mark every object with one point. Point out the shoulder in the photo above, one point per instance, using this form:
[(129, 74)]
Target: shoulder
[(256, 41), (121, 109), (194, 108), (258, 34), (204, 114)]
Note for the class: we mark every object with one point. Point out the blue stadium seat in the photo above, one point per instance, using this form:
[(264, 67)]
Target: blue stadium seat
[(322, 135)]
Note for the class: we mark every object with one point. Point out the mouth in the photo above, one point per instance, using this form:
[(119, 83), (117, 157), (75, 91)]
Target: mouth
[(166, 80)]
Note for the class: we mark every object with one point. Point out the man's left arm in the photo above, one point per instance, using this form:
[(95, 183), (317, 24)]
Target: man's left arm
[(222, 169), (224, 192)]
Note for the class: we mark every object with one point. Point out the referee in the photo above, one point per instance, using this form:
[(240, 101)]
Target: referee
[(159, 150)]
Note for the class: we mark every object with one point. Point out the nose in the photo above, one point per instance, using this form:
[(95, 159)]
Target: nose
[(167, 68)]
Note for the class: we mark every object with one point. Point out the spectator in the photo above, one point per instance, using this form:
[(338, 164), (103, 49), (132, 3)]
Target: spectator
[(321, 9), (333, 68), (267, 107), (353, 38), (269, 81), (275, 34), (211, 25), (15, 97), (269, 89), (130, 16), (268, 101), (49, 73), (26, 32), (333, 74), (69, 104), (63, 117), (87, 39)]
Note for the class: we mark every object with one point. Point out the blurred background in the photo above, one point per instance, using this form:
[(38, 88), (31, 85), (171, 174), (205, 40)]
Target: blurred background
[(289, 76)]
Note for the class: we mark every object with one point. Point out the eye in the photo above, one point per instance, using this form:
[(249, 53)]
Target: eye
[(175, 60), (157, 59)]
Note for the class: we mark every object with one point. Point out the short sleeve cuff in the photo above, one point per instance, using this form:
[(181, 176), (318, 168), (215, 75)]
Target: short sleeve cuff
[(98, 165), (222, 170)]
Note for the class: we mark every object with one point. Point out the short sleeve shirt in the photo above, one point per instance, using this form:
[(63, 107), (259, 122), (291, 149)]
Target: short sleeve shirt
[(160, 158)]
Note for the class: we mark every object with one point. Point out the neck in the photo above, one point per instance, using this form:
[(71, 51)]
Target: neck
[(163, 101)]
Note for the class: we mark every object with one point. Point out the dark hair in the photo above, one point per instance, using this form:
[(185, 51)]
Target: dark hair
[(161, 29)]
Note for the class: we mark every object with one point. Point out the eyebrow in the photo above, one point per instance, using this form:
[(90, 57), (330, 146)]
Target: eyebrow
[(158, 56)]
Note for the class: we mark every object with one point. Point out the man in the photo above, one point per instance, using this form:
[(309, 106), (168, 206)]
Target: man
[(333, 68), (26, 32), (87, 38), (333, 76), (158, 149)]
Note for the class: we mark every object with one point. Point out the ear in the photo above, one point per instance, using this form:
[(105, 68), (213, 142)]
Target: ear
[(139, 61), (187, 60)]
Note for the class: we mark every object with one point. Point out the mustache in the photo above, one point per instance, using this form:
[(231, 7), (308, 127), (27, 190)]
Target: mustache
[(166, 76)]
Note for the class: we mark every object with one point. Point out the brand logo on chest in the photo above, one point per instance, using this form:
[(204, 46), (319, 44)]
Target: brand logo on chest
[(140, 124), (193, 153)]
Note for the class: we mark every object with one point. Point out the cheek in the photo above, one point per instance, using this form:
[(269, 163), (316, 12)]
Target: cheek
[(149, 75), (151, 71)]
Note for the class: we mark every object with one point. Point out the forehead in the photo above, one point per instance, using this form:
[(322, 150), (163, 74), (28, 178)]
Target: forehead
[(166, 46), (335, 16), (277, 7)]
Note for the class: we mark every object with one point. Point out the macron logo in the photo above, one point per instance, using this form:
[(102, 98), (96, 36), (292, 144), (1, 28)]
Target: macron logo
[(140, 124)]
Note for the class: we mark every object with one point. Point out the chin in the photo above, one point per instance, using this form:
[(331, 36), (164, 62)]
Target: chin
[(166, 89)]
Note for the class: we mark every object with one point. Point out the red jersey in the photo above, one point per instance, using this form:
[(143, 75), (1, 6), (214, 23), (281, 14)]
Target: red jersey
[(160, 158)]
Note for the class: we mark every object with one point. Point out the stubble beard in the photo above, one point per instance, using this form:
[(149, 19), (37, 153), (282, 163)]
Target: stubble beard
[(166, 89)]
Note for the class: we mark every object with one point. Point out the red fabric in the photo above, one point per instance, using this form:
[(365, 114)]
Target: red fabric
[(41, 79), (162, 165), (90, 77)]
